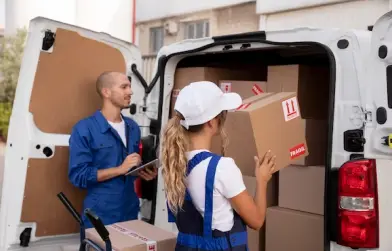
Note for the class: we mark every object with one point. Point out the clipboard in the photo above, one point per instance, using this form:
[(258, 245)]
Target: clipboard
[(134, 171)]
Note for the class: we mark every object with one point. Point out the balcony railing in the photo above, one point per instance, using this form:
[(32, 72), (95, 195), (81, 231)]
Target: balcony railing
[(148, 64)]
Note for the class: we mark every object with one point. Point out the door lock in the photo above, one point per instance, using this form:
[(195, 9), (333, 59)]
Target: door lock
[(387, 140)]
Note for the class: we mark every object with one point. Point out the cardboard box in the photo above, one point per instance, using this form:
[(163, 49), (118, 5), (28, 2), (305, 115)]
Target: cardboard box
[(316, 135), (266, 121), (245, 89), (256, 239), (135, 235), (302, 188), (310, 82), (294, 230), (184, 76)]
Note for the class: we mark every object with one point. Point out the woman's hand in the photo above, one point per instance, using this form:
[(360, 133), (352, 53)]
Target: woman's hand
[(265, 166)]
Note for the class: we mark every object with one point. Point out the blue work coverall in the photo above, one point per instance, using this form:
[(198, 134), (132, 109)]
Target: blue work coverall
[(95, 145), (195, 231)]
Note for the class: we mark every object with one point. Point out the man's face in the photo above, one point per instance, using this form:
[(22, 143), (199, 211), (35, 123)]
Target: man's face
[(120, 91)]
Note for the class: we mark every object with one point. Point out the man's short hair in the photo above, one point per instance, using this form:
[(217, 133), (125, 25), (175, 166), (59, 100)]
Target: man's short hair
[(105, 80)]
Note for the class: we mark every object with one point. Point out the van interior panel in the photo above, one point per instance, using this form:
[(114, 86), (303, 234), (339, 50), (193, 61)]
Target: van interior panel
[(45, 179), (70, 70)]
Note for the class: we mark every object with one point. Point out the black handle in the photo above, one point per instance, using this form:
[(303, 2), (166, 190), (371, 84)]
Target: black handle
[(98, 224), (148, 88), (69, 206), (140, 77)]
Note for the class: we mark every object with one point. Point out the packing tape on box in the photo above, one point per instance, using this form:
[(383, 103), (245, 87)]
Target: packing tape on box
[(244, 106), (151, 244), (257, 89)]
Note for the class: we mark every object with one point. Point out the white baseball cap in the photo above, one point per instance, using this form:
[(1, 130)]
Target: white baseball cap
[(199, 102)]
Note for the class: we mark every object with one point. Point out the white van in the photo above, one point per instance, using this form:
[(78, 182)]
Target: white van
[(53, 92)]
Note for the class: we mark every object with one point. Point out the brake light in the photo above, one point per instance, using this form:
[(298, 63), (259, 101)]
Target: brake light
[(358, 205), (138, 181), (140, 149)]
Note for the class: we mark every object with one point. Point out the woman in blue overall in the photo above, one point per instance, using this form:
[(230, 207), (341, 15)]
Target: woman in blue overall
[(205, 192)]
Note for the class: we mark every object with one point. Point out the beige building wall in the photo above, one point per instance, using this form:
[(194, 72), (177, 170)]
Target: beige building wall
[(237, 19), (344, 15), (223, 21)]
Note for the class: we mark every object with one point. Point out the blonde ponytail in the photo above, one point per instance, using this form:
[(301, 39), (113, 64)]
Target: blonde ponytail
[(175, 144), (223, 135), (174, 162)]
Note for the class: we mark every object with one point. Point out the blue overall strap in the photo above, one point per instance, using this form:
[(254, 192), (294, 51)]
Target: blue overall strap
[(191, 164), (170, 215), (208, 203), (196, 160)]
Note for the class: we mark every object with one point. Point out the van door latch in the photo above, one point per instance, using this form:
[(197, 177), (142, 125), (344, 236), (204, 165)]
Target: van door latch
[(354, 141)]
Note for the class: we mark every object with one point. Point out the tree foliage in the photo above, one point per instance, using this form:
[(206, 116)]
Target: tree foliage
[(11, 51)]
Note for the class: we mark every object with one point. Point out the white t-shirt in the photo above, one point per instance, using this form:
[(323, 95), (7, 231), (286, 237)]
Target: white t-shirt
[(120, 128), (228, 183)]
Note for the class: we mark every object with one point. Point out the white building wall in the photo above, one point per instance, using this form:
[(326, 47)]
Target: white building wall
[(271, 6), (111, 16), (345, 14), (148, 10)]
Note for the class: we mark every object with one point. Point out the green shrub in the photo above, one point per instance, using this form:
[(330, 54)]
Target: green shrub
[(5, 113), (11, 52)]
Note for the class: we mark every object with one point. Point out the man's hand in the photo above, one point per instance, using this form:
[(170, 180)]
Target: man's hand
[(130, 161), (148, 173)]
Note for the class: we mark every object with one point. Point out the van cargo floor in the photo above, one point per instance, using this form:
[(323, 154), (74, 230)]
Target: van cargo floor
[(56, 244)]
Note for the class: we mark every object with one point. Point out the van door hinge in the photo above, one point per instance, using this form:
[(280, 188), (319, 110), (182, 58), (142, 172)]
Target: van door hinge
[(360, 116), (368, 116)]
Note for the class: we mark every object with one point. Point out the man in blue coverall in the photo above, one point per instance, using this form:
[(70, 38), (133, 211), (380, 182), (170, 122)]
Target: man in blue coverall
[(103, 147)]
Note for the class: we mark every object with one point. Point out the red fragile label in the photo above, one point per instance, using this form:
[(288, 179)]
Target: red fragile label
[(257, 89), (226, 87), (297, 151), (244, 106)]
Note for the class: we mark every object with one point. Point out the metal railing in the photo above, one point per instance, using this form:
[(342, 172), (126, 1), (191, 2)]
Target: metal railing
[(148, 64)]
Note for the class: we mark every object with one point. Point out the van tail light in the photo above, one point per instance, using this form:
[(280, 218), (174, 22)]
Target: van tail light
[(358, 220), (140, 149), (138, 181)]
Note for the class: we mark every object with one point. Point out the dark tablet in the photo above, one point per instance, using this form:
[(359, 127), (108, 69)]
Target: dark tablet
[(134, 171)]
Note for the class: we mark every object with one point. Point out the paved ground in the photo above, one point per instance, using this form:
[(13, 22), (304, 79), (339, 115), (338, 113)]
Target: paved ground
[(1, 174), (1, 166), (2, 148)]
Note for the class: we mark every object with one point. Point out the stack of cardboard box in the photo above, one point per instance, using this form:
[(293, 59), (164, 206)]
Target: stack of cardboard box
[(297, 222), (284, 109)]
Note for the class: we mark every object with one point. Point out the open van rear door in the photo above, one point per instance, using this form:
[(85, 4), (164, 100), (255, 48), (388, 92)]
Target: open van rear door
[(378, 114), (56, 88)]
